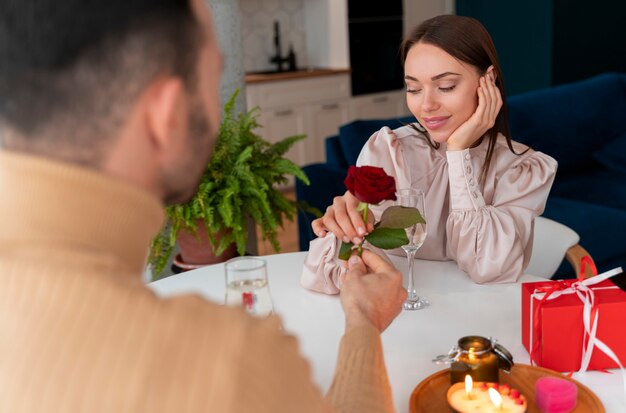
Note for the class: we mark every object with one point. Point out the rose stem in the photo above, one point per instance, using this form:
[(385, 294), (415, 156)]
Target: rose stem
[(360, 247)]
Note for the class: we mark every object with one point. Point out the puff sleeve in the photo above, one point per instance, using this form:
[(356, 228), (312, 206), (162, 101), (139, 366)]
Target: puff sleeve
[(493, 242)]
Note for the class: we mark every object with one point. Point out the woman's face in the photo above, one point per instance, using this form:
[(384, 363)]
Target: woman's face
[(441, 90)]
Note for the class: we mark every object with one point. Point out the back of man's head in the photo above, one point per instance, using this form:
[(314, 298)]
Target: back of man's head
[(70, 70)]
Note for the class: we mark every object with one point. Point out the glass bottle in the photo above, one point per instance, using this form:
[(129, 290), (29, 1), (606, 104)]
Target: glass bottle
[(479, 357)]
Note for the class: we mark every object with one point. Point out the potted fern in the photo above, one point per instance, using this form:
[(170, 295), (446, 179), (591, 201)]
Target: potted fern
[(239, 184)]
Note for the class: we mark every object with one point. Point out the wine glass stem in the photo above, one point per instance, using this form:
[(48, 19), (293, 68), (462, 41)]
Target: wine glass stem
[(410, 254)]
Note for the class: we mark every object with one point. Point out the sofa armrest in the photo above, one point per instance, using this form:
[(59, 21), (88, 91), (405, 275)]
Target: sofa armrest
[(326, 183)]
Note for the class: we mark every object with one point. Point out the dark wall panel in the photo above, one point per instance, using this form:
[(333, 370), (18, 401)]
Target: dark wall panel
[(522, 33), (589, 38)]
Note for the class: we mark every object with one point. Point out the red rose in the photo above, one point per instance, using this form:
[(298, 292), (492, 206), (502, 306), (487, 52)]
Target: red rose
[(370, 184)]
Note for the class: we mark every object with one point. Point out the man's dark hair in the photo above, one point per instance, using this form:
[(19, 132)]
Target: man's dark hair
[(71, 69)]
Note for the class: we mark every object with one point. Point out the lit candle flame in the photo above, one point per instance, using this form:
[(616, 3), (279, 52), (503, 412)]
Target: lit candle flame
[(471, 354), (495, 398), (468, 386)]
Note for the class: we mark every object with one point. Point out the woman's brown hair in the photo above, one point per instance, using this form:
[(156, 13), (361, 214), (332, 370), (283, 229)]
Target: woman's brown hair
[(467, 40)]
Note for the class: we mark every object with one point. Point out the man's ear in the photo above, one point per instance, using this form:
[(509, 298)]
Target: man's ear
[(165, 111)]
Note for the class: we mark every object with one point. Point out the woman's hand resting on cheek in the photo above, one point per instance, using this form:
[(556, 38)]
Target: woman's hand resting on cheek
[(483, 119)]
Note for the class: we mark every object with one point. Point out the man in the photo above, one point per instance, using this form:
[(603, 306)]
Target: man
[(107, 111)]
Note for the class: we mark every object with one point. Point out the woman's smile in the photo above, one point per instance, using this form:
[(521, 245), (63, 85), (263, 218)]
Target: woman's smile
[(435, 122)]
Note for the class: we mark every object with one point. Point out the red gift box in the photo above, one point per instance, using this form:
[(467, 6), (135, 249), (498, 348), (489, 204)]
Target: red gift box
[(553, 331)]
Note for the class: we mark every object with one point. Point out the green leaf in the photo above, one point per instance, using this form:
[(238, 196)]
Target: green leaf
[(345, 251), (305, 207), (284, 145), (387, 238), (400, 217)]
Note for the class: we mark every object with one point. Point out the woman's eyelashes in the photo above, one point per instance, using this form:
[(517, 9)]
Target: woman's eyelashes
[(444, 89)]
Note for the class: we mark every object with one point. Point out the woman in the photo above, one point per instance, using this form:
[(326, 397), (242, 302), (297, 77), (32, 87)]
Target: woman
[(483, 190)]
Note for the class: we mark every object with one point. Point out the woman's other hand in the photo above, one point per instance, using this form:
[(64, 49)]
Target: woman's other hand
[(483, 119)]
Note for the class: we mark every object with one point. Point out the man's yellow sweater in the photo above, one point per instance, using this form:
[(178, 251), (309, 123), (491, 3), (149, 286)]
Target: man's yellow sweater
[(79, 332)]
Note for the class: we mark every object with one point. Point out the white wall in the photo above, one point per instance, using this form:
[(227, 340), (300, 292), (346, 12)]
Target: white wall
[(326, 23), (318, 29), (416, 11), (257, 30)]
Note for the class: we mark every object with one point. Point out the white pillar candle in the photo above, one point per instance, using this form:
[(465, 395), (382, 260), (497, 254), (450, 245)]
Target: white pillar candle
[(471, 397)]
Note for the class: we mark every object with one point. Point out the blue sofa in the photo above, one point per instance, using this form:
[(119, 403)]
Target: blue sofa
[(581, 124)]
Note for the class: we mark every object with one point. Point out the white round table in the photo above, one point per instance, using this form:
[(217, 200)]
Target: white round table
[(459, 307)]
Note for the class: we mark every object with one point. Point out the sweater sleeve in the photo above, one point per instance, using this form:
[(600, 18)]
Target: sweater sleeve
[(271, 374), (361, 383), (492, 243), (274, 377)]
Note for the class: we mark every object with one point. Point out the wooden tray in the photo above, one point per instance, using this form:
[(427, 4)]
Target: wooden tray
[(430, 395)]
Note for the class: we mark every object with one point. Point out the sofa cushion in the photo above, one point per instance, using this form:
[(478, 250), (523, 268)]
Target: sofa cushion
[(334, 153), (599, 186), (354, 135), (613, 155), (326, 183), (601, 230), (570, 121)]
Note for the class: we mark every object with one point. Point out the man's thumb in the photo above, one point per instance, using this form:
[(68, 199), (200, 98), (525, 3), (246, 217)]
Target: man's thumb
[(356, 264)]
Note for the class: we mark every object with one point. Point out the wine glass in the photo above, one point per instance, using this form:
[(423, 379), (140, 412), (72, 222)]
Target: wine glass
[(413, 198), (246, 285)]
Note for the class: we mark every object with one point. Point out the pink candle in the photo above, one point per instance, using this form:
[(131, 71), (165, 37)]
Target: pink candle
[(554, 395)]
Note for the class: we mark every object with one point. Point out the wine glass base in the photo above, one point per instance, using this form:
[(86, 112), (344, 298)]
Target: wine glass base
[(416, 304)]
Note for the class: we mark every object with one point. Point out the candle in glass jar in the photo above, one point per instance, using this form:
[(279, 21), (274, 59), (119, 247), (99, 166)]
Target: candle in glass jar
[(477, 359)]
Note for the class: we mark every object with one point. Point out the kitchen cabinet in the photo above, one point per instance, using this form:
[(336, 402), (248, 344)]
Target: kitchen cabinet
[(281, 122), (325, 119), (379, 105), (415, 12), (315, 106), (326, 26)]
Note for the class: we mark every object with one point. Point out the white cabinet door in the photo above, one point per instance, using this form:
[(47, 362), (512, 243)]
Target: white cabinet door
[(378, 106), (415, 12), (373, 107), (325, 120), (280, 123), (314, 106)]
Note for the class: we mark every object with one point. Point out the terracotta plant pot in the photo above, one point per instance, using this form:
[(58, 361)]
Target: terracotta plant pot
[(196, 249)]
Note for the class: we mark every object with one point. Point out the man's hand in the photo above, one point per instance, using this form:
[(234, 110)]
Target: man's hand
[(371, 291)]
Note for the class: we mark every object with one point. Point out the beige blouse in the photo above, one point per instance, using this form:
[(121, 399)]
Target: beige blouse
[(486, 228)]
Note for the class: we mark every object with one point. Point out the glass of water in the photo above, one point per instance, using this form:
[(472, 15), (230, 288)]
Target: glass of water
[(246, 285)]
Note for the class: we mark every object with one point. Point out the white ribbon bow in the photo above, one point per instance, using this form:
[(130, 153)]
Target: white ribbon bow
[(587, 296)]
